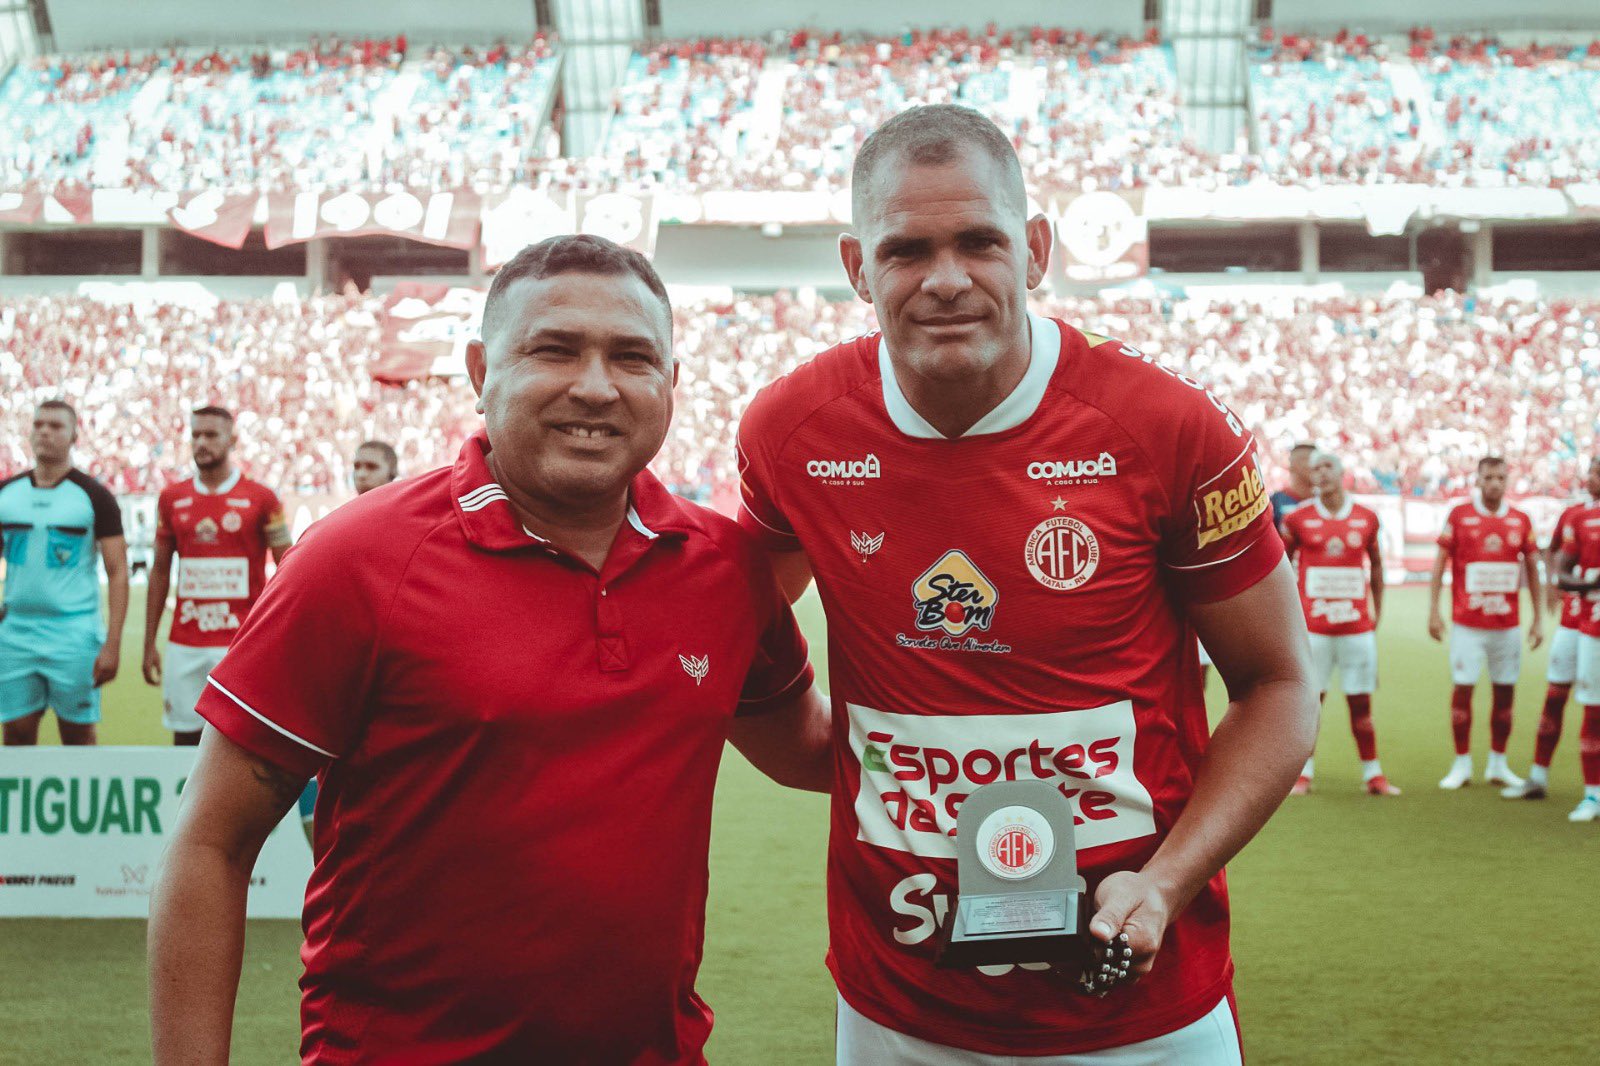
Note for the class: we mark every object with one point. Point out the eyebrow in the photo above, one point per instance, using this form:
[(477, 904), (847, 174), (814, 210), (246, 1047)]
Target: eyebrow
[(575, 338), (894, 243)]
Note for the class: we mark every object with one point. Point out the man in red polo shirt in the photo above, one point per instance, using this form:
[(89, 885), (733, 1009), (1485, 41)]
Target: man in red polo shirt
[(1017, 529), (515, 677)]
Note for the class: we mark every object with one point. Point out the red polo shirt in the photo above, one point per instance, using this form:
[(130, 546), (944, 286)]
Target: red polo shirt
[(517, 758)]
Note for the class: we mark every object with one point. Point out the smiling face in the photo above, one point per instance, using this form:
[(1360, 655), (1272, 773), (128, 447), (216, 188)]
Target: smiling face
[(945, 254), (575, 384)]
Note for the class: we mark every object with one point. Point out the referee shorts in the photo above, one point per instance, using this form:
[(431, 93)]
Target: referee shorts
[(48, 661)]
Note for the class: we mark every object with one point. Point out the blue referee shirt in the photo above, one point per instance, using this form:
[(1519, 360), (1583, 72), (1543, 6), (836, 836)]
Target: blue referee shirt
[(49, 536)]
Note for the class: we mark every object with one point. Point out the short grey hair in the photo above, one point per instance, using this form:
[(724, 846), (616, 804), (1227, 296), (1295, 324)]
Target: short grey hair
[(933, 135)]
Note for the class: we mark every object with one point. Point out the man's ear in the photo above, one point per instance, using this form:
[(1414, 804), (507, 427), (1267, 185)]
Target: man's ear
[(853, 258), (1040, 239), (477, 367)]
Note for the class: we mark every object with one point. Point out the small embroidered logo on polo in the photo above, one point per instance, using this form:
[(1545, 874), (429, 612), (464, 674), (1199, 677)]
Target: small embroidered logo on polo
[(865, 545), (695, 667)]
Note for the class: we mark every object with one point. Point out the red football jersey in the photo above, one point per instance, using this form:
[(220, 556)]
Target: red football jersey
[(519, 753), (1330, 553), (1486, 552), (1580, 535), (1572, 604), (222, 539), (1009, 605)]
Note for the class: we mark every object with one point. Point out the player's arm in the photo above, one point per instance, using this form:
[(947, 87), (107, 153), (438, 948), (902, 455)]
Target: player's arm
[(1375, 560), (1435, 586), (114, 555), (1530, 571), (791, 743), (1552, 569), (1257, 639), (1566, 577), (231, 802), (793, 569), (155, 605)]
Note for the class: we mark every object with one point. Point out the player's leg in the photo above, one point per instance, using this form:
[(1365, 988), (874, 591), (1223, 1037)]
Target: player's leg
[(1505, 666), (23, 730), (1468, 657), (183, 678), (1358, 673), (69, 680), (1559, 678), (1588, 693), (1322, 656)]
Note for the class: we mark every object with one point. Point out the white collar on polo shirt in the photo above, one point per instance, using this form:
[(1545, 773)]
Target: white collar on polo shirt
[(1477, 505), (1344, 512), (1009, 413), (222, 489)]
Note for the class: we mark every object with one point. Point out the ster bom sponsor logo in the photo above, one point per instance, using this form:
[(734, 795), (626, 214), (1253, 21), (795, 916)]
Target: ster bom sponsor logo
[(1231, 502), (953, 596)]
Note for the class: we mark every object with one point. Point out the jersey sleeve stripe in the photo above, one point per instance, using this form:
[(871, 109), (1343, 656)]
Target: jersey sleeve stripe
[(1214, 562), (1248, 444), (780, 532), (269, 723)]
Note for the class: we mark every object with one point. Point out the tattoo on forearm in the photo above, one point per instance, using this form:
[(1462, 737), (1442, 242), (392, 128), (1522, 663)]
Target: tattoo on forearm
[(286, 787)]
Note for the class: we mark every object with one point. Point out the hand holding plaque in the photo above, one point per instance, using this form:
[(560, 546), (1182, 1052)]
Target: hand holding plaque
[(1019, 895)]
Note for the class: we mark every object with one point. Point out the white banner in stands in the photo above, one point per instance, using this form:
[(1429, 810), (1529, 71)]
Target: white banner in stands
[(82, 829)]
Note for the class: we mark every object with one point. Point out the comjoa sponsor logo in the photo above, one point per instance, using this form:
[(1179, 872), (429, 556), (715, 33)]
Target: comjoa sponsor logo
[(1074, 471), (845, 471)]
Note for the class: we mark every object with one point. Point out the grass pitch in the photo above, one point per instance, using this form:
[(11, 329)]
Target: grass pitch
[(1433, 928)]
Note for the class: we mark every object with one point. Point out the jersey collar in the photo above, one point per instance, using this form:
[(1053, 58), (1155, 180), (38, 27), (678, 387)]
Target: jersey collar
[(1477, 505), (1009, 413), (488, 521), (222, 489), (1344, 512)]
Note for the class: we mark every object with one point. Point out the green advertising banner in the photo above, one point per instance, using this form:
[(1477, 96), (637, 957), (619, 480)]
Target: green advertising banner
[(82, 830)]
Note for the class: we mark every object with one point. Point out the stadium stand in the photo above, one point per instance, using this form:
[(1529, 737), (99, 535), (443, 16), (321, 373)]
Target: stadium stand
[(1412, 391), (264, 120)]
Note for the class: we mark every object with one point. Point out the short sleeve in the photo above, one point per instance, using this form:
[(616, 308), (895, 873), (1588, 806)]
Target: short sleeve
[(781, 669), (1220, 538), (1530, 543), (1447, 532), (1288, 530), (274, 527), (164, 533), (294, 684), (107, 515), (1566, 535), (759, 511)]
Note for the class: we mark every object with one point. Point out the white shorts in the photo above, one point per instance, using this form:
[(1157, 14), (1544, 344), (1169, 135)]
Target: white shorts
[(1356, 656), (1563, 669), (1473, 649), (183, 678), (1211, 1041), (1587, 691)]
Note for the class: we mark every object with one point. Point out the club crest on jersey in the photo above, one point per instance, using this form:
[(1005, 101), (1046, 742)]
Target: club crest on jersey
[(232, 522), (1353, 539), (845, 471), (205, 530), (1062, 553), (696, 667), (865, 545), (952, 596), (1335, 547), (1493, 543)]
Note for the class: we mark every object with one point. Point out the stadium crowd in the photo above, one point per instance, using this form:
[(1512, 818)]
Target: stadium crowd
[(1410, 391), (1085, 111), (264, 120)]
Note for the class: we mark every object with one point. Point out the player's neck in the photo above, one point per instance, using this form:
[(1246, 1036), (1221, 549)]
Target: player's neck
[(48, 474), (1333, 502), (586, 531), (952, 406), (215, 477)]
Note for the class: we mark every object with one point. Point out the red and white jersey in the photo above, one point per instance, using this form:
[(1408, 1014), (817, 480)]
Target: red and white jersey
[(1579, 534), (1331, 560), (1572, 603), (1009, 605), (221, 539), (1486, 552)]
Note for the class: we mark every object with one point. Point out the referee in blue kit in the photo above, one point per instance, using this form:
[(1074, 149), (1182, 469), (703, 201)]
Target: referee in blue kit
[(57, 522)]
